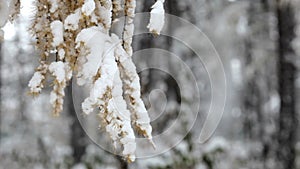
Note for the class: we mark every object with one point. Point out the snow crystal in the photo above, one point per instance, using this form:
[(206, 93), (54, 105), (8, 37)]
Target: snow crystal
[(88, 7), (157, 18), (57, 32)]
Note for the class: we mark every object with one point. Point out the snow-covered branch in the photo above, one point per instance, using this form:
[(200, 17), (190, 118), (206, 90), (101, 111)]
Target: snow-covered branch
[(75, 37)]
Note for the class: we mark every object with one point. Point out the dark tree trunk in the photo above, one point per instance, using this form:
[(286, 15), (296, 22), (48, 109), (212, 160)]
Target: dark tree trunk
[(287, 74), (260, 87), (122, 163), (251, 97), (0, 92), (78, 140)]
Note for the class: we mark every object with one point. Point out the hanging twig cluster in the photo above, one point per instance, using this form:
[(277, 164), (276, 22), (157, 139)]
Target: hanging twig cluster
[(9, 9), (75, 39)]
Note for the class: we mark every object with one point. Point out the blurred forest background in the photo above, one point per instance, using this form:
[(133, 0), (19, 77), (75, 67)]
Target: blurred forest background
[(259, 44)]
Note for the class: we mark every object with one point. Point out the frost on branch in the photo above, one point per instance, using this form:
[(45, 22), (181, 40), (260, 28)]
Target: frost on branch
[(74, 37), (157, 17)]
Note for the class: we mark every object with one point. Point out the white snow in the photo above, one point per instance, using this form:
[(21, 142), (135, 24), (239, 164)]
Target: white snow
[(4, 12), (61, 54), (88, 7), (157, 17), (62, 73), (58, 70), (57, 32), (35, 84), (71, 22), (132, 89), (108, 70), (117, 105), (54, 5), (130, 7), (94, 40), (105, 15), (117, 116), (4, 15)]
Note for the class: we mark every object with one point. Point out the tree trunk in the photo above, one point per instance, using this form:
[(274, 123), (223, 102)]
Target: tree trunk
[(77, 133), (0, 91), (287, 74), (122, 163), (260, 89)]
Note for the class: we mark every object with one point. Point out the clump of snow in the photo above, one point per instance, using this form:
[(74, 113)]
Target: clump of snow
[(35, 84), (157, 17), (57, 32), (105, 15), (105, 67), (107, 70), (58, 70), (72, 21), (94, 40), (132, 88), (62, 73), (107, 93), (88, 7), (117, 105)]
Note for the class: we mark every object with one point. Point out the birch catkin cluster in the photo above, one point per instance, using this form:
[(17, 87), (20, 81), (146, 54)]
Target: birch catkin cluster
[(75, 39)]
